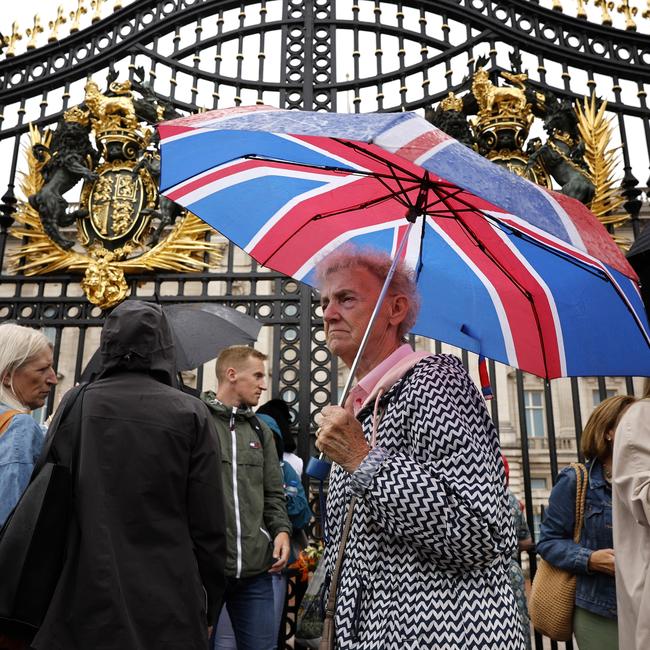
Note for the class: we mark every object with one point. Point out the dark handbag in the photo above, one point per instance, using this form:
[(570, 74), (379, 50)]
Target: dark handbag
[(33, 539)]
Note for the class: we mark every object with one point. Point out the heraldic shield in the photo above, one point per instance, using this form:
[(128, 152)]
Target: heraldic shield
[(120, 204), (121, 224)]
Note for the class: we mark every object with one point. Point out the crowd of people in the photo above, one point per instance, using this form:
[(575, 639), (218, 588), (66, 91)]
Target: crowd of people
[(187, 511)]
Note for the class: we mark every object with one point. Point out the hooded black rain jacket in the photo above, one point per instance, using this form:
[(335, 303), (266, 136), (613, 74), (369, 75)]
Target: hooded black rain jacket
[(145, 564)]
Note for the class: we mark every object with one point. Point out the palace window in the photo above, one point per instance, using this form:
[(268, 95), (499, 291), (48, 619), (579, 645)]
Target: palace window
[(534, 405), (538, 484), (595, 395)]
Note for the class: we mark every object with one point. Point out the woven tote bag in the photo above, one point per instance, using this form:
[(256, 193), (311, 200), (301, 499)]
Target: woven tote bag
[(553, 593)]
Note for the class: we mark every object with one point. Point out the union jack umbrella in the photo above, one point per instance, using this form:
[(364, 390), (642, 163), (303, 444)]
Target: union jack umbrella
[(505, 268)]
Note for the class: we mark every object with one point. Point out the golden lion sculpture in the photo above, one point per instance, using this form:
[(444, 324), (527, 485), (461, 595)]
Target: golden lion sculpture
[(115, 111), (493, 98)]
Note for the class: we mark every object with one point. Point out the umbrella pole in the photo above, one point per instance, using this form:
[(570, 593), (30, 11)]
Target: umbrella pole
[(318, 468)]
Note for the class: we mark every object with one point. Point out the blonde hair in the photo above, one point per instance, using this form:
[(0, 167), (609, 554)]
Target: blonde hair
[(18, 346), (604, 419), (234, 356), (378, 263)]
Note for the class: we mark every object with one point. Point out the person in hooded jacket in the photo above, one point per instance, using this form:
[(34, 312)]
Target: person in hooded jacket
[(145, 563)]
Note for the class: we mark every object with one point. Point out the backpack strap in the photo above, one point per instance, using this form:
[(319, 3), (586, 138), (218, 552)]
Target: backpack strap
[(6, 417), (257, 427)]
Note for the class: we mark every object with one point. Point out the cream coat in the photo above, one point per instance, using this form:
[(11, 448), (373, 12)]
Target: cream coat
[(631, 505)]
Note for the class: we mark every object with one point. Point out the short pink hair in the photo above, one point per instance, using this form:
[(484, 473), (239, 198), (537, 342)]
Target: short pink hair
[(378, 263)]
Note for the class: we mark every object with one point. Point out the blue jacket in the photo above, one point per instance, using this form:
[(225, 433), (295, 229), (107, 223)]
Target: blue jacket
[(595, 592), (20, 446)]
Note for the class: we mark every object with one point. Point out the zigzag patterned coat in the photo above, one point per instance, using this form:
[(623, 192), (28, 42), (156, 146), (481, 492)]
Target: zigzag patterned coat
[(426, 562)]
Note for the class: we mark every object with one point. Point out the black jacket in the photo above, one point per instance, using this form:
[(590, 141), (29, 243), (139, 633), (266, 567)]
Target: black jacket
[(145, 567)]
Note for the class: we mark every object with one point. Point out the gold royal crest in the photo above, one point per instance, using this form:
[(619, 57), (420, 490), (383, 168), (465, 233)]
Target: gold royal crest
[(121, 224)]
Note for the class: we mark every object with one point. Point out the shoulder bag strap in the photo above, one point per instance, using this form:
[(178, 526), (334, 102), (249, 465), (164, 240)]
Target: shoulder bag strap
[(327, 638), (582, 480), (6, 417)]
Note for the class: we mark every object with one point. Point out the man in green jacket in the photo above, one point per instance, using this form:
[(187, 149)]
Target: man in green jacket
[(257, 523)]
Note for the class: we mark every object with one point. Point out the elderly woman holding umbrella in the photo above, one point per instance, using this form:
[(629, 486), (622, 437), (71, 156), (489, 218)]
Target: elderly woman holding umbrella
[(430, 533)]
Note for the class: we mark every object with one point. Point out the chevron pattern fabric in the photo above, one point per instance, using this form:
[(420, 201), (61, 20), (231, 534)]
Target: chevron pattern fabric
[(426, 564)]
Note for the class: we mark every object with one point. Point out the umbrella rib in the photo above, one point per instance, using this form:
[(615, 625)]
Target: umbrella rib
[(381, 178), (517, 233), (419, 182), (359, 206), (333, 213), (486, 251), (400, 197), (389, 163), (393, 166), (327, 168)]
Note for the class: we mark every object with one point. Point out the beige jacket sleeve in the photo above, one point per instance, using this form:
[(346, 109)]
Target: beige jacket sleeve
[(631, 520), (632, 460)]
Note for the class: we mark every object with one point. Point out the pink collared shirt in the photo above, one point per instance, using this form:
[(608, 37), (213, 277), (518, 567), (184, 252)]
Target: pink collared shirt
[(359, 394)]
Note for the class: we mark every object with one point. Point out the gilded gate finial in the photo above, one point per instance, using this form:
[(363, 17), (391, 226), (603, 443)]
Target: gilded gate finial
[(628, 12), (646, 13), (581, 11), (605, 7), (75, 16), (10, 41), (34, 32), (55, 24), (96, 6)]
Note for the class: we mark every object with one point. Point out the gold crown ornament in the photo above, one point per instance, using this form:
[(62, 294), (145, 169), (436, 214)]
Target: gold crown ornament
[(452, 103), (78, 115)]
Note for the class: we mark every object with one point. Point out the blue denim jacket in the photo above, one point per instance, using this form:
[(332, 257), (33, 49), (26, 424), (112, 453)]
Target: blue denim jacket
[(20, 446), (595, 592)]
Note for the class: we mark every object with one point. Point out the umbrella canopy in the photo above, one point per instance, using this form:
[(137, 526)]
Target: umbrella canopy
[(505, 268), (639, 258), (201, 331)]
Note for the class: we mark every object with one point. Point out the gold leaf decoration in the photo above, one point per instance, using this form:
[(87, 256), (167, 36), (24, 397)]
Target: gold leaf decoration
[(602, 160), (184, 250)]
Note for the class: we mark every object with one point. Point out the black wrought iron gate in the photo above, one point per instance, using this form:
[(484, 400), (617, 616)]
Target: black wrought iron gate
[(351, 55)]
